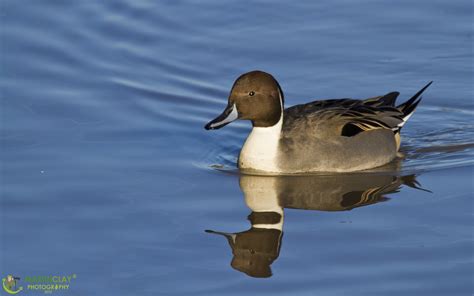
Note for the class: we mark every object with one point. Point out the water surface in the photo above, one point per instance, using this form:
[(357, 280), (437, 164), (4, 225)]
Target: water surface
[(107, 172)]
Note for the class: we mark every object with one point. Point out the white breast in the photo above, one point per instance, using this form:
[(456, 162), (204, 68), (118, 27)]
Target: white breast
[(261, 148)]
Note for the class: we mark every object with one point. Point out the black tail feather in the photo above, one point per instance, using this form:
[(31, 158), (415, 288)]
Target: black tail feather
[(410, 181), (410, 108), (410, 105)]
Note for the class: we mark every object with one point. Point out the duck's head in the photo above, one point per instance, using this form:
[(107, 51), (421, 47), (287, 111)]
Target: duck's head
[(255, 96)]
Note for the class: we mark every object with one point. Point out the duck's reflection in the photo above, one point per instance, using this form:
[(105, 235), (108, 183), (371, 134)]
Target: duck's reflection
[(254, 250)]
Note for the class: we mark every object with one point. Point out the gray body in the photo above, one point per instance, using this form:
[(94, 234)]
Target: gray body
[(309, 142)]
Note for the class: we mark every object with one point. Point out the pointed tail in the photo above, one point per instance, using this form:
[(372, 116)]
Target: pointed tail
[(409, 106)]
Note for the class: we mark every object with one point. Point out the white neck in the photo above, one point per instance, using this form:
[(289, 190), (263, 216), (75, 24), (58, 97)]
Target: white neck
[(260, 151), (261, 148)]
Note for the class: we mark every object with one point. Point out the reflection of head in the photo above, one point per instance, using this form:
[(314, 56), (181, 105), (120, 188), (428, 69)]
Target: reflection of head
[(255, 250), (9, 278)]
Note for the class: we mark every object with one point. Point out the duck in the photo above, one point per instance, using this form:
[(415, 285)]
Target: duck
[(334, 135)]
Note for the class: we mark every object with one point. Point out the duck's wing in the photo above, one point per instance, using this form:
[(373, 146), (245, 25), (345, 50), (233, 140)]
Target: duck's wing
[(363, 117), (348, 117)]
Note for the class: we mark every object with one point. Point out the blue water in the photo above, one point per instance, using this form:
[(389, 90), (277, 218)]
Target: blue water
[(108, 174)]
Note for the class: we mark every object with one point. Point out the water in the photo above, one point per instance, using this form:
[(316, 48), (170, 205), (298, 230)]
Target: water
[(108, 174)]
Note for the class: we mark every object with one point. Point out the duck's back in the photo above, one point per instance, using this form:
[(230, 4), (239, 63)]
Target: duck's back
[(339, 135)]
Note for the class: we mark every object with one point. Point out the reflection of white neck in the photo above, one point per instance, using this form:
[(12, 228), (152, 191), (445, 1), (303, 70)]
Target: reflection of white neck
[(261, 196), (278, 226)]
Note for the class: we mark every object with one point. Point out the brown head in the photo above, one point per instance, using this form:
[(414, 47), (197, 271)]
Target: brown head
[(255, 96)]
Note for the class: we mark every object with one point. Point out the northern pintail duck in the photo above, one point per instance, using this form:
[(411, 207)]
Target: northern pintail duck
[(339, 135)]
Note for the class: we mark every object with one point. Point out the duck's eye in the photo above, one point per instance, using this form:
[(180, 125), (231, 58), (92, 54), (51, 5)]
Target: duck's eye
[(251, 93)]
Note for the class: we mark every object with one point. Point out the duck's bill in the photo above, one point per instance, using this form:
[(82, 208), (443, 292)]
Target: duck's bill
[(230, 236), (230, 114)]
